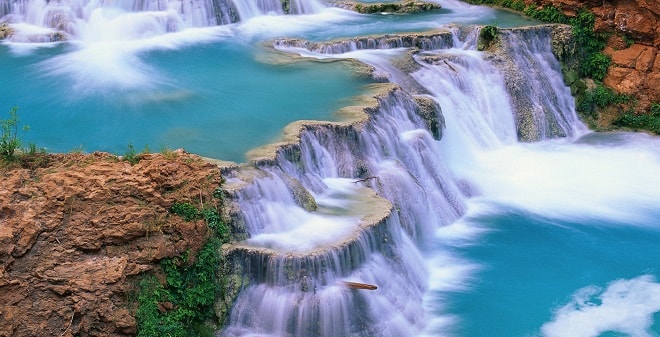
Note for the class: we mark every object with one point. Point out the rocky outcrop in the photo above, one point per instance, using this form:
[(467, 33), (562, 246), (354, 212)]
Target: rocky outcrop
[(75, 233), (388, 7), (5, 31), (422, 41), (634, 44)]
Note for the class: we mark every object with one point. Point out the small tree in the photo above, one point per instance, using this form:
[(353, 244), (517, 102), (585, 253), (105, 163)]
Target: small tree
[(9, 140)]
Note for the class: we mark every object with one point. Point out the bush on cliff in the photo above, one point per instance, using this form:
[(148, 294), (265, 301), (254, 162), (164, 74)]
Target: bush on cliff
[(182, 305), (597, 98), (649, 122), (9, 141)]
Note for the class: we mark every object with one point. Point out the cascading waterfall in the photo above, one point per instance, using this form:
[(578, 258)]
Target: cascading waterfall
[(546, 216), (544, 105), (255, 8), (297, 291), (47, 21)]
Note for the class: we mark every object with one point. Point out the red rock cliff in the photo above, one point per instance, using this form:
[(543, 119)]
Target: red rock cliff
[(635, 68), (73, 233)]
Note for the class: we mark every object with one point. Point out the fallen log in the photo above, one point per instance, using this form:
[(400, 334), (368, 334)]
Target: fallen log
[(363, 180), (357, 285)]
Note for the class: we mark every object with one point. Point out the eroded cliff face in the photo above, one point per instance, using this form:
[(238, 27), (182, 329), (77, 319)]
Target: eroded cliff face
[(634, 44), (74, 234)]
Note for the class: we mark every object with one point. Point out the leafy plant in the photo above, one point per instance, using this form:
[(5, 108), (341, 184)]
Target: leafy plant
[(185, 210), (181, 305), (9, 141), (598, 98), (547, 13), (595, 65), (649, 122), (486, 37), (130, 155)]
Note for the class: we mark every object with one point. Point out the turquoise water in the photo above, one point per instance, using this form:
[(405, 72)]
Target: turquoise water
[(335, 23), (213, 99), (200, 89), (530, 266), (563, 243)]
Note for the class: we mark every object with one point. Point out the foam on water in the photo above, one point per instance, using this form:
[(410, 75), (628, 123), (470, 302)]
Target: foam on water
[(293, 229), (564, 179), (624, 306), (117, 63)]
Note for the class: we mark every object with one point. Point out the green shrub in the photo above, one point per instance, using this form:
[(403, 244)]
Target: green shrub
[(9, 141), (595, 66), (518, 5), (598, 98), (185, 210), (191, 285), (189, 293), (487, 35), (547, 13), (649, 122)]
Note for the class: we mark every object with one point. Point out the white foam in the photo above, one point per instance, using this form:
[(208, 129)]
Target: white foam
[(294, 229), (563, 179), (625, 306), (116, 63), (271, 26)]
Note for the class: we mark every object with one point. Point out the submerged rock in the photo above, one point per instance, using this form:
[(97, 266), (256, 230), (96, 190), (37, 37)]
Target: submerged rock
[(430, 111), (301, 196)]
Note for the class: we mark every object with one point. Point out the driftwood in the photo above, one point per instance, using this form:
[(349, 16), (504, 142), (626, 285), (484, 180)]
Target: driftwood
[(450, 67), (365, 179), (356, 285)]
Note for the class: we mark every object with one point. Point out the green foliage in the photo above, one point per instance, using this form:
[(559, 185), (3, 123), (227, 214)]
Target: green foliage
[(595, 66), (593, 63), (131, 155), (185, 210), (627, 40), (518, 5), (190, 213), (191, 284), (547, 13), (649, 122), (34, 150), (189, 291), (598, 98), (219, 228), (9, 141), (486, 37)]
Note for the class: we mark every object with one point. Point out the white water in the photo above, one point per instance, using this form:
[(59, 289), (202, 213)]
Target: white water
[(478, 165), (593, 310), (97, 20)]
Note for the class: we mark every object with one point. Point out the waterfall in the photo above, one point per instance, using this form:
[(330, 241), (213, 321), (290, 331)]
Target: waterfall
[(46, 21), (544, 107), (255, 8), (298, 292), (312, 221)]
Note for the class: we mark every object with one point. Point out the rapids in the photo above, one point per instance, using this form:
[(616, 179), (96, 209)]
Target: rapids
[(477, 206)]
